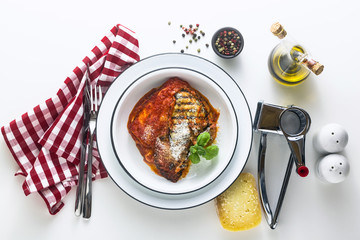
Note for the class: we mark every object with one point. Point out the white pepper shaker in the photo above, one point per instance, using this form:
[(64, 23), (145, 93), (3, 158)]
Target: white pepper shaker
[(333, 168), (332, 138)]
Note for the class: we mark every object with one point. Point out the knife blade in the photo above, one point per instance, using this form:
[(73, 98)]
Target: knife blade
[(79, 200)]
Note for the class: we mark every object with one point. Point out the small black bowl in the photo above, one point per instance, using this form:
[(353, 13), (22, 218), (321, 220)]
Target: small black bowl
[(238, 44)]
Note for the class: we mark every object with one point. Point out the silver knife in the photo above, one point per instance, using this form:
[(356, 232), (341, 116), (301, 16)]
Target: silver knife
[(85, 130)]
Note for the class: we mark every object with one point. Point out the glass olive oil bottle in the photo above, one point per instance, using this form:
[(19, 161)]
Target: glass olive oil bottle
[(289, 63)]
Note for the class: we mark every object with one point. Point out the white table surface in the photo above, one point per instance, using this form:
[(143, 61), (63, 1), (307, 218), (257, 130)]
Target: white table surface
[(42, 42)]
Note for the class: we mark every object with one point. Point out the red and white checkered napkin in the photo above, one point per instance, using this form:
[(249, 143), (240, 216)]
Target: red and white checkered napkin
[(46, 141)]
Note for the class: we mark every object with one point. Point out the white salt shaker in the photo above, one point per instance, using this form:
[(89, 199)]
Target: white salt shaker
[(333, 168), (332, 138)]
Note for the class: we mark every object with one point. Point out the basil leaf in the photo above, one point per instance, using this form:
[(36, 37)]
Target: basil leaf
[(194, 158), (200, 150), (211, 152), (203, 139), (193, 149)]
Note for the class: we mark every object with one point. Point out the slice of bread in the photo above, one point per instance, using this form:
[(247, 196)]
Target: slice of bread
[(238, 207)]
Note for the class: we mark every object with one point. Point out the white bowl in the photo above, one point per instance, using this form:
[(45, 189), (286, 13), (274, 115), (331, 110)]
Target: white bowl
[(200, 174)]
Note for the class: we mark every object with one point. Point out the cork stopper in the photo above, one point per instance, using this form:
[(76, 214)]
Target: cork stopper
[(278, 30), (314, 66), (317, 68)]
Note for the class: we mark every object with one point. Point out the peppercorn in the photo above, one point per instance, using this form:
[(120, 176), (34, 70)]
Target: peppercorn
[(182, 51), (195, 34), (227, 42)]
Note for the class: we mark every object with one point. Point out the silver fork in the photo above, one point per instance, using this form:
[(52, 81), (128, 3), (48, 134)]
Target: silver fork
[(95, 100)]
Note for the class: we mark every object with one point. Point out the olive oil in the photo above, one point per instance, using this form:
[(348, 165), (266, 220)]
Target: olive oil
[(289, 63), (286, 66)]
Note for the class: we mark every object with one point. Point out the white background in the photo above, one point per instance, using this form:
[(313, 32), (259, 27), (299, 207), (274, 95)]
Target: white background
[(41, 42)]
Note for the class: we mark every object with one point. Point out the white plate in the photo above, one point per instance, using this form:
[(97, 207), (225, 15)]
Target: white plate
[(200, 174), (174, 201)]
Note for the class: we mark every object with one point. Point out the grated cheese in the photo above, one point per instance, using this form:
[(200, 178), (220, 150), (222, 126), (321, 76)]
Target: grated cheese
[(179, 138), (148, 133)]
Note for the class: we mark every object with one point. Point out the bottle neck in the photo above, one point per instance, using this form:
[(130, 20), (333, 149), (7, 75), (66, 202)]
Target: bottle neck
[(295, 50), (300, 56)]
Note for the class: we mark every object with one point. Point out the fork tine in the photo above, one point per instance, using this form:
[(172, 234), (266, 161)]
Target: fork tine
[(100, 95), (95, 99), (91, 98)]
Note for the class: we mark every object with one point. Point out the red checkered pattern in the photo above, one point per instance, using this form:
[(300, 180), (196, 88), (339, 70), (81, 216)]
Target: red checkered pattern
[(46, 141)]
